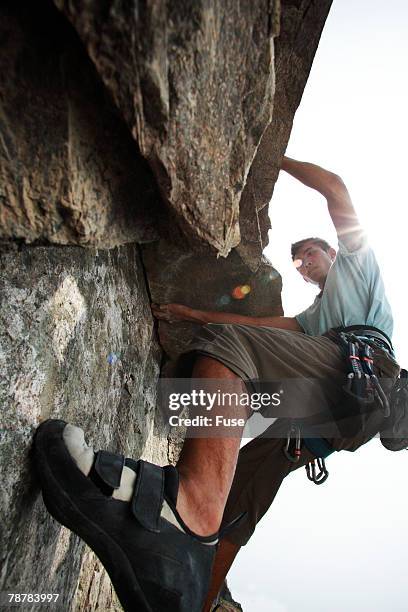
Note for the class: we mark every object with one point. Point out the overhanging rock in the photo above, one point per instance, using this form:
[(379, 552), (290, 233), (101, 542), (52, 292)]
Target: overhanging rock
[(210, 282), (207, 283), (194, 80), (301, 26)]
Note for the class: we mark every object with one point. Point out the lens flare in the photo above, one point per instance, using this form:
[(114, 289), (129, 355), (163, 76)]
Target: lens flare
[(224, 300), (237, 293), (240, 292)]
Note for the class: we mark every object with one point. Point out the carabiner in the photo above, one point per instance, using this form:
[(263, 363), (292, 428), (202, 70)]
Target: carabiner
[(323, 474), (297, 450)]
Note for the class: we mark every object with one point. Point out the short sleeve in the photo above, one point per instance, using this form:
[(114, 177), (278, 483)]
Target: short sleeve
[(308, 316), (301, 319), (344, 250)]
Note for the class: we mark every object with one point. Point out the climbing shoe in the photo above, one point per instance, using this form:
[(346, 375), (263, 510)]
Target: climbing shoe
[(125, 510), (394, 435)]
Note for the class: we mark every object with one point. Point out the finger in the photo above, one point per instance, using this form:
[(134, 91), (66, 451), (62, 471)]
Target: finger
[(159, 315), (157, 308), (164, 319), (162, 316)]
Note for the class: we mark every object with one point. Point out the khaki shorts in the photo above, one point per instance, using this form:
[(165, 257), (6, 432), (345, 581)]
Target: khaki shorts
[(265, 353)]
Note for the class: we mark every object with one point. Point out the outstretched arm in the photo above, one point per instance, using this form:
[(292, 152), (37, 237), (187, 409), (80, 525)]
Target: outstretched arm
[(339, 203), (179, 312)]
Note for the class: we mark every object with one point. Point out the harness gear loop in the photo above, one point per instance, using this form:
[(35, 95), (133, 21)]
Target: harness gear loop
[(297, 450), (362, 383), (366, 355), (323, 473)]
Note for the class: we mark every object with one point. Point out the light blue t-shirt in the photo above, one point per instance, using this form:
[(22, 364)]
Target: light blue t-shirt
[(353, 294)]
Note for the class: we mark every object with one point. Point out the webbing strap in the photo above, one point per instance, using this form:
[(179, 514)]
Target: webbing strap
[(365, 330), (148, 495), (319, 447), (109, 468)]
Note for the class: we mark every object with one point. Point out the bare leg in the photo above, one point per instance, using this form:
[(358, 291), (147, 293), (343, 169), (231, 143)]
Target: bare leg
[(206, 465), (224, 558), (206, 469)]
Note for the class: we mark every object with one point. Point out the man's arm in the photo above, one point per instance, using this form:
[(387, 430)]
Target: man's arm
[(339, 203), (179, 312)]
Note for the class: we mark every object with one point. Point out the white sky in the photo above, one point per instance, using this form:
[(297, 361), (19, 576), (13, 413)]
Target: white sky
[(343, 545)]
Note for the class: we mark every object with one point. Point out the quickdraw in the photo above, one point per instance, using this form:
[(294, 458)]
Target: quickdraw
[(318, 477), (362, 383)]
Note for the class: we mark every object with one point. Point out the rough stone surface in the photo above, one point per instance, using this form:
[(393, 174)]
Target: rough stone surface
[(77, 341), (301, 26), (206, 283), (70, 172), (200, 75)]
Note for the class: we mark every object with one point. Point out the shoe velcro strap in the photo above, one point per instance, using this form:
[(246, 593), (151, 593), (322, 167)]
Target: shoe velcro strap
[(147, 501), (109, 468)]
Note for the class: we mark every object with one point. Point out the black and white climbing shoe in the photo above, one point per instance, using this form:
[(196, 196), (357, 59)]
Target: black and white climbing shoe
[(125, 510), (394, 435)]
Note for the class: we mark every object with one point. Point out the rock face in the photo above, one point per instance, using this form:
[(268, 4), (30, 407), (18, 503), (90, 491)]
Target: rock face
[(77, 343), (196, 112), (300, 29), (150, 133), (213, 284), (211, 281), (70, 172)]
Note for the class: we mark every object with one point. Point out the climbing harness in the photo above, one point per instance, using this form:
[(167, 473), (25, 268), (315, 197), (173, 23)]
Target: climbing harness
[(363, 394), (371, 334)]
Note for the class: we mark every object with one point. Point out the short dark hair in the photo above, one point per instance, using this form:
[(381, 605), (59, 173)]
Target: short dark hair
[(318, 241)]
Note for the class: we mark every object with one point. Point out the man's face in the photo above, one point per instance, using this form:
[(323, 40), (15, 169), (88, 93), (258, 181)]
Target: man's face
[(314, 263)]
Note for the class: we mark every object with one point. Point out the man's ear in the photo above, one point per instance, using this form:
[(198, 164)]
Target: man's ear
[(332, 253)]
